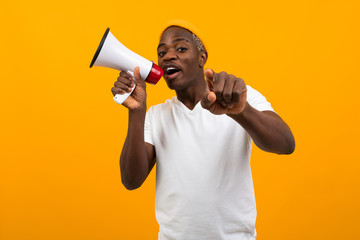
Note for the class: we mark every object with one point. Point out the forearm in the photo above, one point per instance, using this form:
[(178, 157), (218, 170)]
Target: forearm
[(134, 162), (268, 131)]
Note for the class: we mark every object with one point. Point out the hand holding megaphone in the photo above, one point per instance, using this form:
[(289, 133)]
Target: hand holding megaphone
[(112, 54), (126, 84)]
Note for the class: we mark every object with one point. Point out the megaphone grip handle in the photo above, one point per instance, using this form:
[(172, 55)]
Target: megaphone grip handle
[(120, 98)]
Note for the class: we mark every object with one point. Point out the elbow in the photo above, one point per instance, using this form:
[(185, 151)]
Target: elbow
[(284, 147), (131, 187), (290, 146), (290, 150), (131, 183)]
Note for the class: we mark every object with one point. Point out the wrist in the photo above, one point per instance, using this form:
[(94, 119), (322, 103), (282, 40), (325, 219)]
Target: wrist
[(139, 110), (241, 114)]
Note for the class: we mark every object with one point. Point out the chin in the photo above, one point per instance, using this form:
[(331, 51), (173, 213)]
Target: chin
[(173, 84)]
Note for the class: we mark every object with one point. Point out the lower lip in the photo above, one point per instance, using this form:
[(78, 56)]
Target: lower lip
[(172, 76)]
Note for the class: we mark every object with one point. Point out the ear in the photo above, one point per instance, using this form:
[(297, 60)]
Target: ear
[(203, 58)]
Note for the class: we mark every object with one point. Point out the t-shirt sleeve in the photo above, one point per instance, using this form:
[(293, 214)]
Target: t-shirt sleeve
[(148, 134), (257, 100)]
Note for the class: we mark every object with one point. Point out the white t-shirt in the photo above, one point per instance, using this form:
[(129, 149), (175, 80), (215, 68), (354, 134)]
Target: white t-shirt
[(204, 187)]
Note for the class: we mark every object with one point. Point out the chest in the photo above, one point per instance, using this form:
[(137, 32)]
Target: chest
[(200, 129)]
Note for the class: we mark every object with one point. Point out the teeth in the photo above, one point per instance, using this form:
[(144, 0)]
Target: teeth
[(171, 70)]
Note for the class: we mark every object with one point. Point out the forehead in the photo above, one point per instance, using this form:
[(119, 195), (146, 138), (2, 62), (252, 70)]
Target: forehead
[(176, 32)]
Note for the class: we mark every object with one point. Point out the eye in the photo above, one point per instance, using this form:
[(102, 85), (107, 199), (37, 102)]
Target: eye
[(181, 49), (161, 54)]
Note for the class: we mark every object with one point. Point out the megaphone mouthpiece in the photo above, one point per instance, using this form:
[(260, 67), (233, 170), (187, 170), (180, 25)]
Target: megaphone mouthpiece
[(155, 74)]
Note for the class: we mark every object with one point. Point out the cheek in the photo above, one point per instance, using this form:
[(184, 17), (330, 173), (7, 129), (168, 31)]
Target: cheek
[(159, 62), (191, 64)]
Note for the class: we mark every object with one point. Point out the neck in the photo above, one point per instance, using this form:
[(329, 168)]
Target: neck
[(191, 95)]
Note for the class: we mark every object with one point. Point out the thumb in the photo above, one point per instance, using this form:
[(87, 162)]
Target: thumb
[(208, 100)]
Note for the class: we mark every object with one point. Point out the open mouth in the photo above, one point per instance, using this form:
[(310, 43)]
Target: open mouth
[(171, 71)]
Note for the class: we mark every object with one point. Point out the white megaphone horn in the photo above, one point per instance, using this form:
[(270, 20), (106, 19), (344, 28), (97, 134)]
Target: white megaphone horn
[(112, 54)]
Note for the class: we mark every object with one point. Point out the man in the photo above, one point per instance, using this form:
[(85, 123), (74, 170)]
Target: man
[(201, 140)]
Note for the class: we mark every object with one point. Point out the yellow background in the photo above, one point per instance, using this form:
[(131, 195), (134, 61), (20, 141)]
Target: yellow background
[(61, 133)]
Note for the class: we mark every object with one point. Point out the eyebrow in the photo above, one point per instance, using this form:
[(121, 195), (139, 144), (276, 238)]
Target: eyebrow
[(174, 41)]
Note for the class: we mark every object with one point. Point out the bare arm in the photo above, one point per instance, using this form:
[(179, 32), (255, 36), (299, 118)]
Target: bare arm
[(268, 131), (227, 95), (137, 157)]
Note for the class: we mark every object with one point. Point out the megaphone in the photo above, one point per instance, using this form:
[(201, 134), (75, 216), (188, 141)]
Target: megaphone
[(113, 54)]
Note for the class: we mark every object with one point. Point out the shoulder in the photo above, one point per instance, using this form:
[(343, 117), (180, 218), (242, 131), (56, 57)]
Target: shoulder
[(252, 92), (169, 103), (257, 100), (253, 95)]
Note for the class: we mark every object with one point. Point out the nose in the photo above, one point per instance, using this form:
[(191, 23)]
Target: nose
[(170, 55)]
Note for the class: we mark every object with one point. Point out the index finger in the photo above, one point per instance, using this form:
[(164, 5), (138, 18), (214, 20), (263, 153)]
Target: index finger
[(209, 73), (210, 76), (125, 75)]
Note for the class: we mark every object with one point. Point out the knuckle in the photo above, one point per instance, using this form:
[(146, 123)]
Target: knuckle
[(125, 81), (223, 74), (232, 77), (239, 80), (227, 96), (237, 93), (121, 79), (217, 92)]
